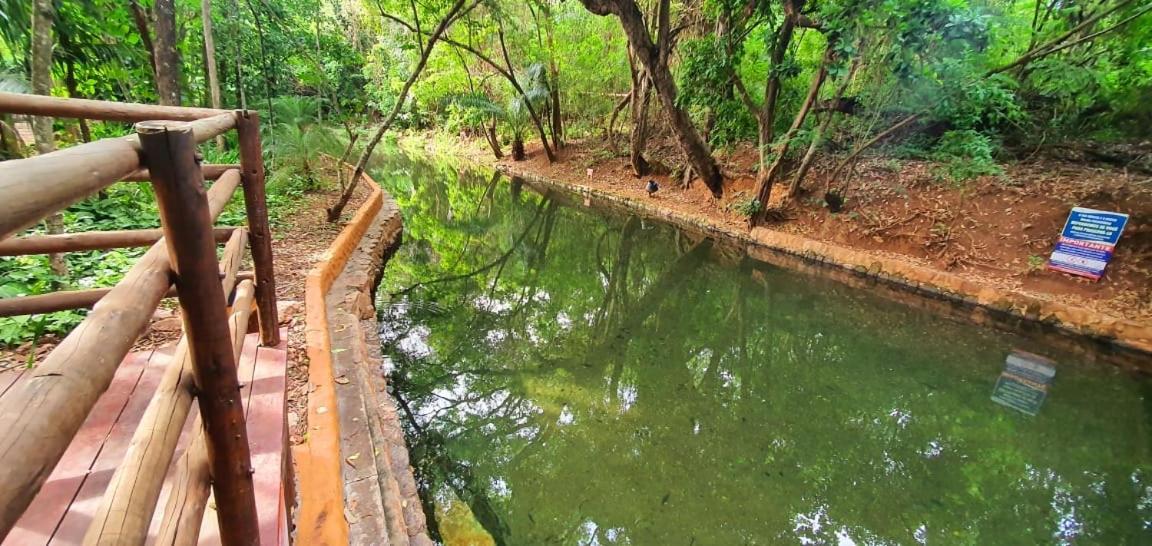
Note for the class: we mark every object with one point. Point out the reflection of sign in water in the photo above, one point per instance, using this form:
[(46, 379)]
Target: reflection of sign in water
[(1087, 242), (1024, 383)]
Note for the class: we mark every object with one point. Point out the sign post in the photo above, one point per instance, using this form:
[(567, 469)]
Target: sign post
[(1087, 242)]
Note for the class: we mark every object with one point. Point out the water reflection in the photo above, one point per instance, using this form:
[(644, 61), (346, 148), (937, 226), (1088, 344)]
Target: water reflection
[(570, 376)]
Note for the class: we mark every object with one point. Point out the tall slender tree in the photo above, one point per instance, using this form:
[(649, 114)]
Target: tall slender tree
[(43, 17), (167, 56), (210, 59)]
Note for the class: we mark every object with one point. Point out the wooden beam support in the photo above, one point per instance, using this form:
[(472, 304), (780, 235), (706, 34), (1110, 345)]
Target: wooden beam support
[(170, 149), (259, 234), (38, 105), (184, 511), (75, 173), (129, 503), (40, 416), (91, 240), (211, 171)]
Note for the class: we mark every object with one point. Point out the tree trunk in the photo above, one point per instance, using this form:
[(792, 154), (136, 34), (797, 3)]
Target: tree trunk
[(493, 140), (654, 59), (73, 92), (772, 87), (140, 17), (768, 177), (518, 148), (510, 74), (821, 130), (43, 17), (455, 11), (611, 131), (639, 139), (210, 60), (167, 57)]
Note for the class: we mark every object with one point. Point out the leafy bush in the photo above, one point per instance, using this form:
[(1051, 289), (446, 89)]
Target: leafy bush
[(746, 207), (966, 154)]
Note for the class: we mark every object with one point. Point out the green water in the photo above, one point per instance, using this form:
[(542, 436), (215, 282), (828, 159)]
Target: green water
[(576, 376)]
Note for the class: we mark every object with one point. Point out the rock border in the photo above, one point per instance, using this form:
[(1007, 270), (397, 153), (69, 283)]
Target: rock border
[(1130, 341), (355, 483)]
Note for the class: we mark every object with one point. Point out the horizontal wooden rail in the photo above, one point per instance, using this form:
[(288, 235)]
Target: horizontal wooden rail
[(211, 171), (58, 301), (184, 512), (39, 417), (71, 299), (85, 299), (37, 105), (75, 173), (90, 240), (129, 502)]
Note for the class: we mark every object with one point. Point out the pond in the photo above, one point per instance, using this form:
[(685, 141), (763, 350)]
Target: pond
[(570, 375)]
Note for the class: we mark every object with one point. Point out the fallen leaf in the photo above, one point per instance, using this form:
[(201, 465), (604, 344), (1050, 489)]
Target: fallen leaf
[(351, 459), (342, 380)]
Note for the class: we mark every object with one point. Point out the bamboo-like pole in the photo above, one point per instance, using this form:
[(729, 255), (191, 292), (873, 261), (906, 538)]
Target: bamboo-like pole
[(90, 240), (170, 149), (184, 510), (40, 416), (128, 504), (34, 105), (211, 171), (259, 234), (75, 173)]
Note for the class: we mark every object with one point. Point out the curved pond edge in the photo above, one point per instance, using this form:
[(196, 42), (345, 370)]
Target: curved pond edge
[(354, 481), (1128, 342)]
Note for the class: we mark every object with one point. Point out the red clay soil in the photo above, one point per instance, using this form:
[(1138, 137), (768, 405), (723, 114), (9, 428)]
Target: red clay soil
[(997, 230)]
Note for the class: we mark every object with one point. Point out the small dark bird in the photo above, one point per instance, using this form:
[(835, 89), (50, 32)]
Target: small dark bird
[(834, 201), (652, 187)]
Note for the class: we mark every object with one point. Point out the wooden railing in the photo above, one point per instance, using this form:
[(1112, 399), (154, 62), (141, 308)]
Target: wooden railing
[(39, 417)]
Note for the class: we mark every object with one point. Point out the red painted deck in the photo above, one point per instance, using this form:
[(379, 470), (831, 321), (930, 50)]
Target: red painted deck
[(66, 504)]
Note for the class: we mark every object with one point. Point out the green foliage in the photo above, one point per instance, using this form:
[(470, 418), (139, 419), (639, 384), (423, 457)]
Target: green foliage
[(746, 207), (705, 83), (966, 154)]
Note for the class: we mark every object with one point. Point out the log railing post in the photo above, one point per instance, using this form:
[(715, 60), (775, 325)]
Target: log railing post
[(169, 152), (259, 234)]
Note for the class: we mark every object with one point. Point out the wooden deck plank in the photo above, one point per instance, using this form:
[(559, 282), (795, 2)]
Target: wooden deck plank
[(39, 522), (9, 377), (87, 501), (268, 442), (66, 504), (209, 528)]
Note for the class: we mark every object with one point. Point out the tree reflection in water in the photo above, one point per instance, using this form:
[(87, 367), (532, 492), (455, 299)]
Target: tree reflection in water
[(575, 376)]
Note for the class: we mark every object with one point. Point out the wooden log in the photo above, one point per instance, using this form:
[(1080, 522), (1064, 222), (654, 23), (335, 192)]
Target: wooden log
[(75, 173), (184, 511), (90, 240), (232, 259), (33, 105), (170, 149), (39, 417), (58, 301), (211, 171), (128, 504), (259, 234), (81, 299)]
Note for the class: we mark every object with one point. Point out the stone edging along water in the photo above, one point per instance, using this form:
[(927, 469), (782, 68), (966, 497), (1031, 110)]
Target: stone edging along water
[(939, 290), (355, 483)]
